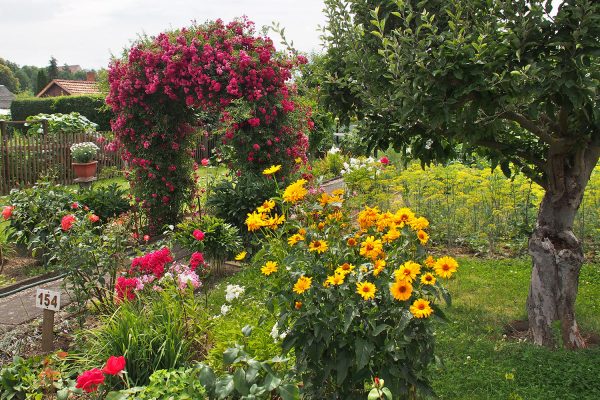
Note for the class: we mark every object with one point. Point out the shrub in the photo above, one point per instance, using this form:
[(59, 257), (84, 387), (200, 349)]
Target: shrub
[(329, 166), (90, 106), (181, 383), (232, 200), (356, 297), (105, 201), (61, 123)]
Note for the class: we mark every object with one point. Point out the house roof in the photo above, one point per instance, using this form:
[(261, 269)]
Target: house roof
[(6, 97), (72, 87)]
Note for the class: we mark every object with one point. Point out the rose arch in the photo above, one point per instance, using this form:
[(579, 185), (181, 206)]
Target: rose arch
[(215, 77)]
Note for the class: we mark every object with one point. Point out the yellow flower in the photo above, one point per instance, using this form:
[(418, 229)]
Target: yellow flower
[(429, 261), (421, 308), (366, 290), (298, 160), (368, 217), (428, 279), (337, 215), (423, 237), (335, 279), (271, 170), (344, 269), (302, 284), (295, 192), (241, 256), (392, 235), (267, 206), (385, 220), (378, 266), (445, 267), (320, 246), (408, 271), (401, 290), (274, 221), (269, 268), (338, 192), (298, 305), (321, 225), (371, 248), (351, 242), (419, 224), (255, 221), (295, 238), (403, 216), (302, 231)]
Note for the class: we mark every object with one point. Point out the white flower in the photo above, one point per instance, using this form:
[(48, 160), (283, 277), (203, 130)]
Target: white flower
[(224, 309), (333, 150), (428, 144), (232, 292)]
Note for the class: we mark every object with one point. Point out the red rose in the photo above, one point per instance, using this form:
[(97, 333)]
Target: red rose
[(75, 206), (114, 365), (384, 160), (146, 238), (67, 222), (198, 234), (90, 380), (204, 162), (93, 218), (7, 212)]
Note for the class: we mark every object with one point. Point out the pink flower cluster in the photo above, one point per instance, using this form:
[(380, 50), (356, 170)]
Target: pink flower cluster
[(152, 263)]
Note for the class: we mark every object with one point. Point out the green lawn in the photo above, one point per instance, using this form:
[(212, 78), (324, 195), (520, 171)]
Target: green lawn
[(477, 361)]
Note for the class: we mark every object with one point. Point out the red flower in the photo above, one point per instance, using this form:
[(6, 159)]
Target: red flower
[(93, 218), (7, 212), (384, 160), (125, 288), (254, 122), (146, 238), (90, 380), (67, 222), (196, 260), (204, 162), (198, 234), (152, 263), (114, 365), (74, 206)]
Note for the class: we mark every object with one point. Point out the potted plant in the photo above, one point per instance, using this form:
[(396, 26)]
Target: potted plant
[(83, 159)]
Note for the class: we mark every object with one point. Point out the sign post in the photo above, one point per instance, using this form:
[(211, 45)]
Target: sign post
[(49, 301)]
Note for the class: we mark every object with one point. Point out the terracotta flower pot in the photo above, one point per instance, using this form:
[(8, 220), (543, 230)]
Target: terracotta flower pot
[(85, 170)]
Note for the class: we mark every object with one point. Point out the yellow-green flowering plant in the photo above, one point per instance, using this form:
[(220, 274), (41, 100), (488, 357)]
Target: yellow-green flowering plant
[(356, 295)]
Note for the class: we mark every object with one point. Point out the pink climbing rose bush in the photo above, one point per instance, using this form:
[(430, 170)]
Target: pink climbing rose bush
[(216, 77)]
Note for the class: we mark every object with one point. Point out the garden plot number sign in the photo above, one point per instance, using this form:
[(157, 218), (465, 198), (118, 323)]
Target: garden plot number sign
[(49, 300)]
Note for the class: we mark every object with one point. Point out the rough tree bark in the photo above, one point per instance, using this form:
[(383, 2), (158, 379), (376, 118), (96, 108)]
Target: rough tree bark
[(557, 254)]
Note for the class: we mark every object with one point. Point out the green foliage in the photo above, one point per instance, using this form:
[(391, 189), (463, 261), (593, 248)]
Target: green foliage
[(8, 79), (222, 240), (233, 200), (178, 384), (41, 82), (105, 201), (354, 142), (90, 106), (61, 123), (329, 166), (156, 331), (249, 378)]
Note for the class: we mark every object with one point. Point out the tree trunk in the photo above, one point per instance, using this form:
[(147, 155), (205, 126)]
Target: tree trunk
[(557, 254)]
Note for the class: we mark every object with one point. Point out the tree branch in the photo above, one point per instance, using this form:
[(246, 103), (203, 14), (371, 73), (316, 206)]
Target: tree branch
[(529, 125)]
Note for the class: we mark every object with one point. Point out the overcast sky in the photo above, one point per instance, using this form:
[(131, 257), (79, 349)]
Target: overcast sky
[(87, 32)]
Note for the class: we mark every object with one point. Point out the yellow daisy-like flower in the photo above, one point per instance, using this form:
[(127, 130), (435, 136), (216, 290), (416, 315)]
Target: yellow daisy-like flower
[(391, 235), (295, 238), (298, 160), (419, 224), (404, 216), (274, 221), (408, 271), (295, 191), (302, 284), (338, 192), (321, 225), (371, 248), (366, 290), (241, 256), (428, 279), (269, 268), (320, 246), (429, 261), (421, 308), (445, 266), (255, 221), (368, 217), (335, 279), (351, 242), (344, 269), (267, 206), (378, 266), (401, 290), (271, 170), (384, 221), (423, 237)]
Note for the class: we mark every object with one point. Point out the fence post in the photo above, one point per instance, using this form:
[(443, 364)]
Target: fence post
[(44, 127)]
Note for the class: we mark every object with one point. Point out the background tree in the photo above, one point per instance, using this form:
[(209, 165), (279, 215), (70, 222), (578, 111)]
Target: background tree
[(8, 79), (41, 81), (515, 80), (52, 69)]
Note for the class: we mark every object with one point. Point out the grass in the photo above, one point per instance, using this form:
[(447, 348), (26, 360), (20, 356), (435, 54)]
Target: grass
[(477, 361)]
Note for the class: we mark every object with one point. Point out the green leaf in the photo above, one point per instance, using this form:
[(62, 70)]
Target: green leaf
[(373, 395), (247, 330), (271, 382), (206, 376), (230, 355), (379, 328), (388, 393), (239, 381), (363, 352), (289, 392), (224, 387)]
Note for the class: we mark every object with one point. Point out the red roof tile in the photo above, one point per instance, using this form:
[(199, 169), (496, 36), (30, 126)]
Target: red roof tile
[(72, 87)]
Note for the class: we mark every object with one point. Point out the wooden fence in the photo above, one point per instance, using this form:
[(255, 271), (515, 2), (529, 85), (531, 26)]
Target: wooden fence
[(24, 159)]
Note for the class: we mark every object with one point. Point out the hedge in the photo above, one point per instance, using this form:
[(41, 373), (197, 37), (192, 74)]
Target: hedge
[(90, 106)]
